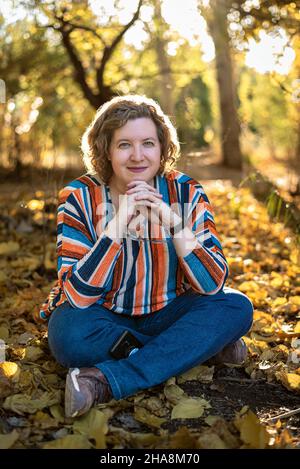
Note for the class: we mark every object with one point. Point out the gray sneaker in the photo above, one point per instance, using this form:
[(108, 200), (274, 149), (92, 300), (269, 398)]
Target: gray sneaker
[(235, 354), (84, 388)]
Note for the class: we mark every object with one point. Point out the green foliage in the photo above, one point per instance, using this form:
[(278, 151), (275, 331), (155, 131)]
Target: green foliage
[(267, 110), (193, 113)]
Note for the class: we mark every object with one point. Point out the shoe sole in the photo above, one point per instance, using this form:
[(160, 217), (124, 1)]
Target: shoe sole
[(70, 393)]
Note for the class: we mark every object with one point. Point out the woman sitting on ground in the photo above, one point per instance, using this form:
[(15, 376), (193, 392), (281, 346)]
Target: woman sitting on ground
[(138, 253)]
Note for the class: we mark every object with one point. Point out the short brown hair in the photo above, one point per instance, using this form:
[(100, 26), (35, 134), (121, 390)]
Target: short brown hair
[(114, 114)]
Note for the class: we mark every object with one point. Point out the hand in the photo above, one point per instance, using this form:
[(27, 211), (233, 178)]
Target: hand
[(154, 209), (130, 207)]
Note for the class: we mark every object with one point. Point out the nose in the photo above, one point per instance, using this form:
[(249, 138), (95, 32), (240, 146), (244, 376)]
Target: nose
[(137, 153)]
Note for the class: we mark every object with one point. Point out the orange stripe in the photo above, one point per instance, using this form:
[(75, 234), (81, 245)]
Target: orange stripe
[(104, 266)]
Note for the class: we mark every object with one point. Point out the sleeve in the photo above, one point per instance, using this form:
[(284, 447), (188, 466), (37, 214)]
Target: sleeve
[(205, 266), (85, 267)]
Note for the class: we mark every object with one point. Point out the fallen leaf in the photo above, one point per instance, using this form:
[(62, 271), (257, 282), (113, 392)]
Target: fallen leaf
[(58, 413), (252, 432), (143, 415), (189, 408), (33, 353), (8, 440), (94, 426), (290, 381), (173, 393), (210, 440), (10, 370), (183, 438), (143, 440), (4, 332), (22, 403), (201, 373), (9, 248)]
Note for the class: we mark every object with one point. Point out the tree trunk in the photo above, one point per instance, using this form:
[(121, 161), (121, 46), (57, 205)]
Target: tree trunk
[(230, 125), (167, 82)]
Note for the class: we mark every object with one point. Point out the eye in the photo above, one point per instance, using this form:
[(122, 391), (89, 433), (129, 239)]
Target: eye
[(149, 143), (123, 145)]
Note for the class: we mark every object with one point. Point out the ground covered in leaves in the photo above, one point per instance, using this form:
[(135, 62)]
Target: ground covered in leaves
[(250, 406)]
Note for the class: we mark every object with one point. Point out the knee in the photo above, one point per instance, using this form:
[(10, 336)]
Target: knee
[(243, 304), (64, 344)]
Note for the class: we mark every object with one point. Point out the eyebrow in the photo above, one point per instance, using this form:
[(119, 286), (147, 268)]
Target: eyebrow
[(127, 139)]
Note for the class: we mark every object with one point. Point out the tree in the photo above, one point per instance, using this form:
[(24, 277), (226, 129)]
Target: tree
[(193, 113), (216, 18), (90, 58), (158, 34)]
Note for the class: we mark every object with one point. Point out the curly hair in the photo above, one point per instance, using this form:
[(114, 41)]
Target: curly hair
[(114, 114)]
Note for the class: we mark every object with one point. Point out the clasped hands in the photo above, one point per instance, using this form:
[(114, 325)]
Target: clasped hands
[(143, 202)]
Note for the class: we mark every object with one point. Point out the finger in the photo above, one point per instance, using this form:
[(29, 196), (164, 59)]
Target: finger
[(148, 196), (142, 188)]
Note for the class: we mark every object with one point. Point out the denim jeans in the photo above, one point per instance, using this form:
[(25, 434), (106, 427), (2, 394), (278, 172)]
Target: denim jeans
[(188, 331)]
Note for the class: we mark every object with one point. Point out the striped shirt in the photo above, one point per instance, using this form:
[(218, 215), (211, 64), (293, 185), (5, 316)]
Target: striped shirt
[(134, 276)]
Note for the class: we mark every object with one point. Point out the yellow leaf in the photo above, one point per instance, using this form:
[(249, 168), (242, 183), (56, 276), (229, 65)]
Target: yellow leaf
[(57, 412), (290, 380), (35, 204), (142, 440), (8, 440), (189, 408), (297, 327), (69, 442), (21, 403), (4, 332), (252, 432), (11, 370), (210, 440), (279, 301), (183, 438), (276, 282), (248, 286), (33, 353), (201, 373), (94, 426), (26, 263), (143, 415), (3, 277), (9, 248), (295, 300), (173, 393)]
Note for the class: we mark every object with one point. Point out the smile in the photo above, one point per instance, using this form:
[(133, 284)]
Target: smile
[(137, 170)]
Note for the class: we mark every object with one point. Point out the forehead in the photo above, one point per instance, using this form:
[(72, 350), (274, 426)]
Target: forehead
[(140, 128)]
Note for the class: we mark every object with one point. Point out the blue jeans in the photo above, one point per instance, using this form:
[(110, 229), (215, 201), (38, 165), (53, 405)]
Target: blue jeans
[(188, 331)]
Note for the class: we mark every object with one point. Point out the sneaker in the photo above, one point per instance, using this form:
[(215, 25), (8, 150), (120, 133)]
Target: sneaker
[(235, 353), (84, 388)]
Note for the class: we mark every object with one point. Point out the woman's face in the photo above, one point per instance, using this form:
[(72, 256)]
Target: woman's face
[(135, 152)]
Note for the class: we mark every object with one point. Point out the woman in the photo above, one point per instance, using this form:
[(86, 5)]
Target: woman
[(137, 251)]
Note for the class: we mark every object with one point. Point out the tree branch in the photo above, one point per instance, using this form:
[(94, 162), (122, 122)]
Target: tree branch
[(87, 28), (80, 74), (108, 51)]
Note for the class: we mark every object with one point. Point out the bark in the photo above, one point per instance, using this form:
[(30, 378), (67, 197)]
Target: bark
[(163, 61), (230, 125)]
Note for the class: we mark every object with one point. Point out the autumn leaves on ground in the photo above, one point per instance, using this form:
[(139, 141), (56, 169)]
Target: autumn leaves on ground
[(207, 407)]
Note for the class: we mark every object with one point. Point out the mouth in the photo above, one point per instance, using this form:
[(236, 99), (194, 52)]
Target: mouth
[(137, 169)]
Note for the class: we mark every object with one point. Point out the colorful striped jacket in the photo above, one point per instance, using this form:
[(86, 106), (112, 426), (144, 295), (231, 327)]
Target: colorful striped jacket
[(133, 277)]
